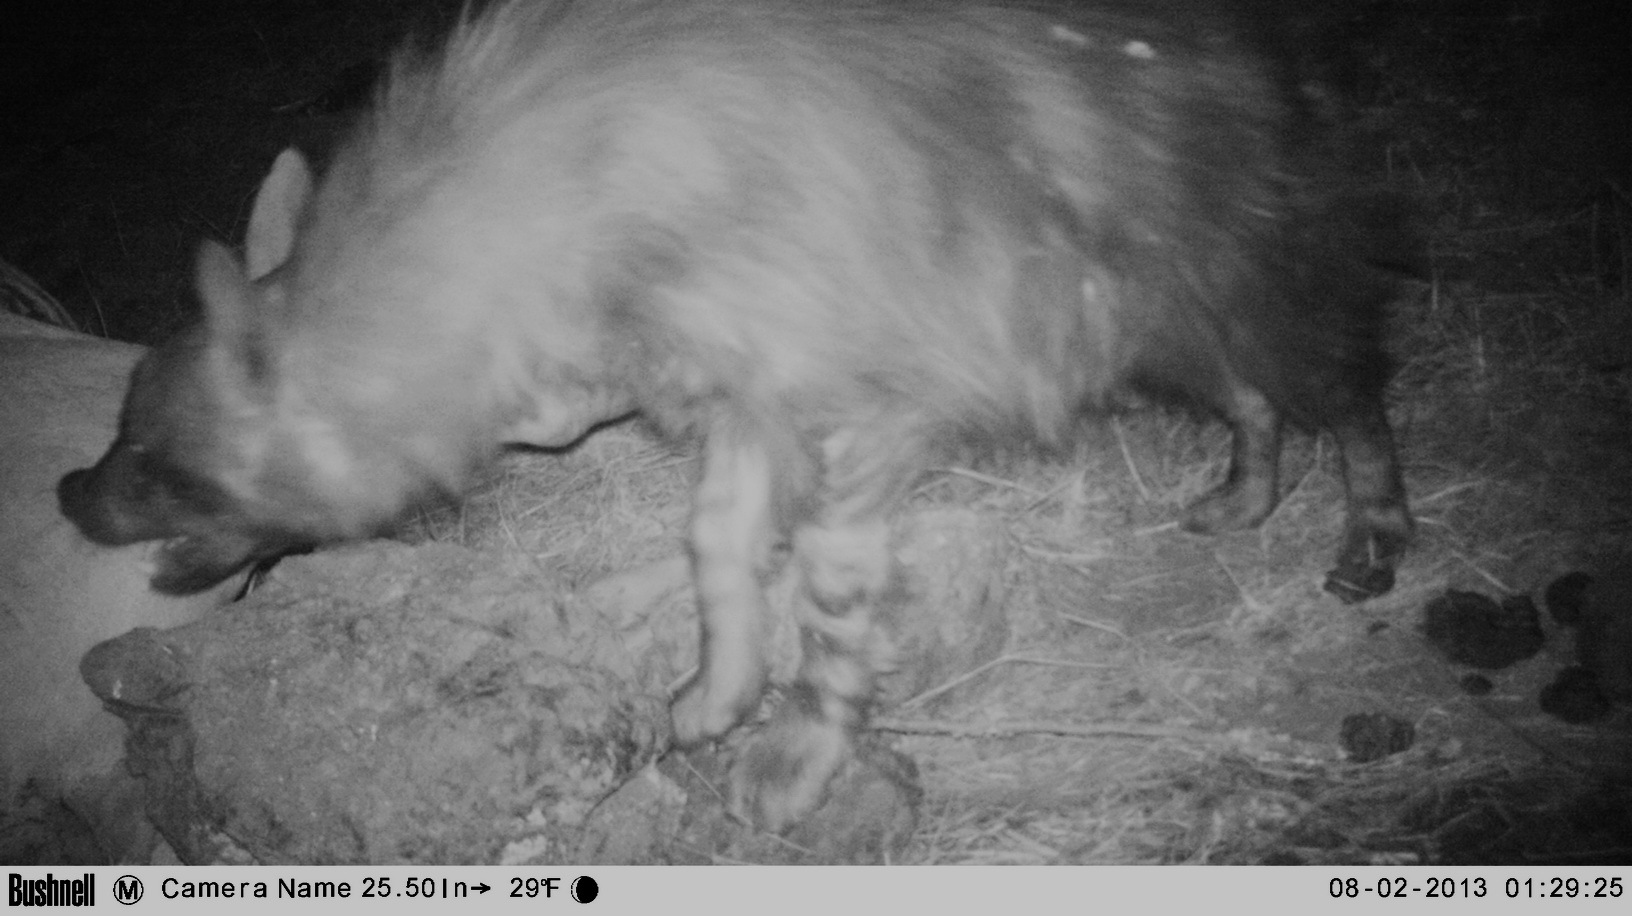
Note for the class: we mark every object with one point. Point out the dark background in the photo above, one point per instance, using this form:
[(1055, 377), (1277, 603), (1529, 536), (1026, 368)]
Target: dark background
[(130, 131)]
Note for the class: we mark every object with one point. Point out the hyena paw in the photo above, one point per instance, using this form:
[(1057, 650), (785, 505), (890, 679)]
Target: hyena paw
[(1231, 506), (1371, 549), (783, 773), (698, 717)]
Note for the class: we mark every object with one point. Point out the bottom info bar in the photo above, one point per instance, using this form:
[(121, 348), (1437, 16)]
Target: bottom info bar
[(838, 891)]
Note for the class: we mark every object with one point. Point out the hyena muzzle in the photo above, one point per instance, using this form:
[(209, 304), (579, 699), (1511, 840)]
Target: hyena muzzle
[(833, 243)]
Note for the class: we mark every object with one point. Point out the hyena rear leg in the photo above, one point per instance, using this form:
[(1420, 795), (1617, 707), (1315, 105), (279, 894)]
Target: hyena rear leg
[(1378, 524), (1250, 490), (732, 532)]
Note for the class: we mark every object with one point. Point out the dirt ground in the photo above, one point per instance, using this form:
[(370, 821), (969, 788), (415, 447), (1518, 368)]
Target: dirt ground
[(1086, 683)]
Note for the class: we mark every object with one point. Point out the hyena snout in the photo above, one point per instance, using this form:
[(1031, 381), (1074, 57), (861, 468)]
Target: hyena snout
[(105, 502), (123, 501)]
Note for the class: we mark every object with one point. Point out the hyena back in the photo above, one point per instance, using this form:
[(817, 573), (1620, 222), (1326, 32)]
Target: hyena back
[(831, 243)]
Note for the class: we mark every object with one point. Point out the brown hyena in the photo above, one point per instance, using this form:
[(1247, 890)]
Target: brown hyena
[(830, 242)]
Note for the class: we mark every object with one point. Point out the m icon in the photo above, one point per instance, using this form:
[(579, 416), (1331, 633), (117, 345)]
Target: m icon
[(127, 889)]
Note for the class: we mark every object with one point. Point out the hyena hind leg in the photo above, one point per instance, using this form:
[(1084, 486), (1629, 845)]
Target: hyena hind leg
[(1378, 524), (845, 570), (1250, 490), (731, 536)]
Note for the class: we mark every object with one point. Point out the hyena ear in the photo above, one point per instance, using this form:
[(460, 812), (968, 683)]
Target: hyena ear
[(278, 207)]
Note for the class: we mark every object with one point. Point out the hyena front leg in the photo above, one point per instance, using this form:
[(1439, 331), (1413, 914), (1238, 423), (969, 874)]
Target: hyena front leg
[(732, 533), (1378, 524), (845, 567)]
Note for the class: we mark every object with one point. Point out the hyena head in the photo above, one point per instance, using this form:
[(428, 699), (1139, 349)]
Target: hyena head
[(200, 460), (162, 478), (234, 446)]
